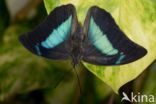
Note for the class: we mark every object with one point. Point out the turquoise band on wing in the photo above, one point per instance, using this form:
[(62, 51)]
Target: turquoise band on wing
[(38, 49), (100, 40), (58, 35), (122, 56)]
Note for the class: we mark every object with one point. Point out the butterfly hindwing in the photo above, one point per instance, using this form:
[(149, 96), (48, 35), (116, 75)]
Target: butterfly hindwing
[(105, 43), (51, 38)]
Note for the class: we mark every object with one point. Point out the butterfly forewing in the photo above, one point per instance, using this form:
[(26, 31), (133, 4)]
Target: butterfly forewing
[(51, 38), (105, 43), (102, 42)]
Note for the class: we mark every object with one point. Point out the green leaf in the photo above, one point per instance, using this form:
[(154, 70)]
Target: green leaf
[(137, 19)]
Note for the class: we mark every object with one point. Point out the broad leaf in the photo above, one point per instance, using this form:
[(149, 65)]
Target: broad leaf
[(137, 19)]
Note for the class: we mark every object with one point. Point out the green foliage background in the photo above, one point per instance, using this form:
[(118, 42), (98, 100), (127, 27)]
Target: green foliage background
[(22, 73)]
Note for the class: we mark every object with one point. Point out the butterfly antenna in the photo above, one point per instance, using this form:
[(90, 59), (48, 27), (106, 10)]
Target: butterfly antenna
[(78, 79)]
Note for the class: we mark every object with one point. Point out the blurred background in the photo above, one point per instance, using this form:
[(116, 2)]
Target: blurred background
[(28, 79)]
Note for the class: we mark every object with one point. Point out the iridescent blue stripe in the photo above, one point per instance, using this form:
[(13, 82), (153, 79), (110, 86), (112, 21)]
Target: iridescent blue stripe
[(100, 40), (58, 35), (122, 56), (38, 49)]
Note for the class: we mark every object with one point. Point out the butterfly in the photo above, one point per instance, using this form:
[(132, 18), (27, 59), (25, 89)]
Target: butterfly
[(99, 41)]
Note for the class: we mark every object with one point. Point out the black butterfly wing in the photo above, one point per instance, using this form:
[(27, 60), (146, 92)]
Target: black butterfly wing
[(105, 43), (51, 38)]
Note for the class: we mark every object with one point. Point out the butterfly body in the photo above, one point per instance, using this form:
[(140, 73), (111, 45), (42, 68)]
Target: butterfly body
[(99, 41), (76, 42)]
